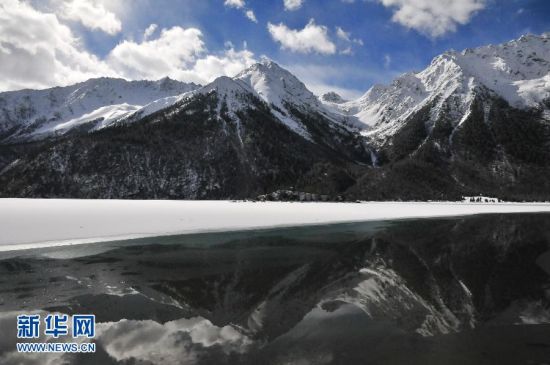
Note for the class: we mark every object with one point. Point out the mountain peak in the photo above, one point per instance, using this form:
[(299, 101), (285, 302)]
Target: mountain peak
[(266, 67), (225, 85), (268, 62), (332, 97), (97, 103), (276, 85), (517, 71)]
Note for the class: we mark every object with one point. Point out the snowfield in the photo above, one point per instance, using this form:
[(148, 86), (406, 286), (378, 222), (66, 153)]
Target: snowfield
[(34, 223)]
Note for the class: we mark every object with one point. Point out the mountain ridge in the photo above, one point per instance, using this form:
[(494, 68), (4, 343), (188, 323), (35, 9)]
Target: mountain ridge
[(384, 107), (440, 133), (35, 114)]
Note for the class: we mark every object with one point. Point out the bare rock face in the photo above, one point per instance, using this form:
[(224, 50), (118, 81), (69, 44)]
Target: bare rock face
[(332, 97)]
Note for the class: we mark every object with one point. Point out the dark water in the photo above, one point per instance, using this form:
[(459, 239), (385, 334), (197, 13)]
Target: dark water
[(472, 290)]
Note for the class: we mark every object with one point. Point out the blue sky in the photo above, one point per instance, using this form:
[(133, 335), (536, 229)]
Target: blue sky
[(349, 45)]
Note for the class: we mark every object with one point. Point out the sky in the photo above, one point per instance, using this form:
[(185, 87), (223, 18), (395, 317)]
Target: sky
[(331, 45)]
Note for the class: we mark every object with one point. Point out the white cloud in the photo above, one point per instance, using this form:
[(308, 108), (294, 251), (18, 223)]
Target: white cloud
[(240, 4), (229, 63), (348, 51), (387, 61), (342, 34), (312, 39), (38, 51), (292, 5), (346, 37), (149, 31), (433, 17), (92, 14), (235, 3), (178, 53), (45, 53), (250, 15), (175, 48)]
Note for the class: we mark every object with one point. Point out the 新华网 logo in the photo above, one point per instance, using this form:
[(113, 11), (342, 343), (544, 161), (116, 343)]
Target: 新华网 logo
[(30, 326)]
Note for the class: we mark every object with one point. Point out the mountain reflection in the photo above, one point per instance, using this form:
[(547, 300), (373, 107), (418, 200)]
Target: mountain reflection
[(462, 290)]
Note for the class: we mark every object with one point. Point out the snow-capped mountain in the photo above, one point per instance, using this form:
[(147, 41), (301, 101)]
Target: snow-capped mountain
[(235, 137), (517, 71), (283, 93), (91, 105), (473, 122)]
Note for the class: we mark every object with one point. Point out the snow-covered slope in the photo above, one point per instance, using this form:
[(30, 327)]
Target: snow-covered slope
[(277, 86), (232, 133), (473, 122), (517, 71), (98, 103), (93, 104), (283, 93), (280, 88)]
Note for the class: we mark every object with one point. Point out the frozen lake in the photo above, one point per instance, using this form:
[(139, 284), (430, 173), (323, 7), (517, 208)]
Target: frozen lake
[(32, 223)]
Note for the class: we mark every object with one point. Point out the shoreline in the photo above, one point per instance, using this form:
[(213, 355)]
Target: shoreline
[(40, 223)]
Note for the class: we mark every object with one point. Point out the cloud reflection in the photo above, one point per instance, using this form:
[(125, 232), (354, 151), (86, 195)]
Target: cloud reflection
[(174, 342)]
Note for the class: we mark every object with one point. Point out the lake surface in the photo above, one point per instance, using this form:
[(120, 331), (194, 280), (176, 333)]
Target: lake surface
[(467, 290)]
